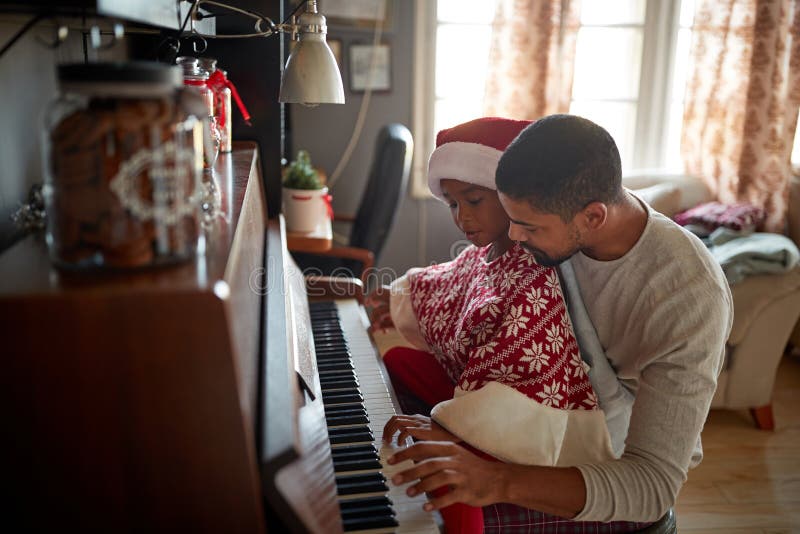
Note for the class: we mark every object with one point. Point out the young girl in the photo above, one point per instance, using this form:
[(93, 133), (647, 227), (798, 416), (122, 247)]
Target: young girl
[(495, 357)]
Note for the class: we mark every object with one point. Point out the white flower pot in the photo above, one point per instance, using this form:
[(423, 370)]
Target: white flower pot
[(304, 209)]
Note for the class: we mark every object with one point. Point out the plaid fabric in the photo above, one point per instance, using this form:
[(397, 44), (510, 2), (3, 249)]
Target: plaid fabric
[(511, 519)]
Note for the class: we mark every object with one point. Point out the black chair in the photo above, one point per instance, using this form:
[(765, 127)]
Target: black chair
[(377, 211)]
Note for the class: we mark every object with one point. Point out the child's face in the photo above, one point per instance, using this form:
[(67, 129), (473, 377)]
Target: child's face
[(476, 211)]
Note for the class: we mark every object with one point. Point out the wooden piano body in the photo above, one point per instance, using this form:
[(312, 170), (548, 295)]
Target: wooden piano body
[(171, 399)]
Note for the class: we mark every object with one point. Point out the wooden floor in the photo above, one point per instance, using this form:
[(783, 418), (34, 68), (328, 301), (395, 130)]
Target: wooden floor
[(749, 480)]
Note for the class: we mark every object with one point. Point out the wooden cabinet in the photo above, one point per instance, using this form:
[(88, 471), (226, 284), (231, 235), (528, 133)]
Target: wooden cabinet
[(138, 389)]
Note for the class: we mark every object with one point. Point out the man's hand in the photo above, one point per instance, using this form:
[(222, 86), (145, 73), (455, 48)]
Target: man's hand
[(472, 480), (477, 482), (416, 426)]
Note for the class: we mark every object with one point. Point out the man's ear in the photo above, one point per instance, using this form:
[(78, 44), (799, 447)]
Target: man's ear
[(594, 215)]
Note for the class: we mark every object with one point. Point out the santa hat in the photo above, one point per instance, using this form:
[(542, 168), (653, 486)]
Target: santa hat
[(470, 151)]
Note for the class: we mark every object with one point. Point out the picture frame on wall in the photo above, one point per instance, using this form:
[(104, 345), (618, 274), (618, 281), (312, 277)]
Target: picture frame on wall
[(357, 14), (366, 73)]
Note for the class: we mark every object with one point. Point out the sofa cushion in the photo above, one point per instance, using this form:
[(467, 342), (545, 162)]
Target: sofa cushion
[(693, 190), (753, 294), (664, 198)]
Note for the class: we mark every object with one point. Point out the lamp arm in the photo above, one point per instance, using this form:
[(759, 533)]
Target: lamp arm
[(285, 26), (259, 18)]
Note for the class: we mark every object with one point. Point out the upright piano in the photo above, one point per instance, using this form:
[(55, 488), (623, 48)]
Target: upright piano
[(220, 395)]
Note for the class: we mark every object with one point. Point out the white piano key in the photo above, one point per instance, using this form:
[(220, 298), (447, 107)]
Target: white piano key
[(380, 408)]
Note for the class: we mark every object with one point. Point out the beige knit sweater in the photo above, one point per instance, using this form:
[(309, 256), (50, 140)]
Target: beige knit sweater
[(662, 313)]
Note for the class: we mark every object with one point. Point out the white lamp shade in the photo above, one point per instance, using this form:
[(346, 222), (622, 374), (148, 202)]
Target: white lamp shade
[(311, 75)]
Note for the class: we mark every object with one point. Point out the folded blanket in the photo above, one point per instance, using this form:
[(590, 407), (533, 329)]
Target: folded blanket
[(759, 253), (743, 216)]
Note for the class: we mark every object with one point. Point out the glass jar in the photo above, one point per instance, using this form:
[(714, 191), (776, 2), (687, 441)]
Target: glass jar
[(196, 79), (218, 83), (123, 186)]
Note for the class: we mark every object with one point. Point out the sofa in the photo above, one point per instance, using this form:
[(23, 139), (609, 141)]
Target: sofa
[(766, 307)]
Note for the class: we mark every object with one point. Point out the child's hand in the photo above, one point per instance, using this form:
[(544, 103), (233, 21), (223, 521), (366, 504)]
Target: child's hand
[(377, 307), (418, 427), (380, 320)]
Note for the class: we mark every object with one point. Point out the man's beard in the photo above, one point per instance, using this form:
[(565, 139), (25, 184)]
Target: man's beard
[(547, 261)]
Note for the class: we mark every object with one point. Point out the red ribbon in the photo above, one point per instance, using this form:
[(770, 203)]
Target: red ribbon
[(328, 199), (216, 82)]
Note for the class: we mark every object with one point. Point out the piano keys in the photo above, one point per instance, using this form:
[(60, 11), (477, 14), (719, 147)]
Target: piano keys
[(363, 453)]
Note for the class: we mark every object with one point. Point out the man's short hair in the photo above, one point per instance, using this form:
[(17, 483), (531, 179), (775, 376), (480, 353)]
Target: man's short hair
[(560, 164)]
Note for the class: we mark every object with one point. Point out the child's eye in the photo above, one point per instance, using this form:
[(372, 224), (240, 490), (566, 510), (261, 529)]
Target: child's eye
[(474, 202), (452, 205)]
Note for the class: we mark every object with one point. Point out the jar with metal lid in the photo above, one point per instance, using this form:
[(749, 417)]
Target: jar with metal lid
[(123, 185), (196, 79)]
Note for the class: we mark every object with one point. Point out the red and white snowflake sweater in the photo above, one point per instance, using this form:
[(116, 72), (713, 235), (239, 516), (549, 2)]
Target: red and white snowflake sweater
[(502, 332)]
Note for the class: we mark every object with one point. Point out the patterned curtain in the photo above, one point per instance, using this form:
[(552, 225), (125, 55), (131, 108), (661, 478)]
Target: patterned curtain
[(531, 58), (741, 101)]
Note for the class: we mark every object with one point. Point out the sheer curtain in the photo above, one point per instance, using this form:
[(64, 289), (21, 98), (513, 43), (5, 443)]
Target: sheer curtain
[(741, 101), (531, 58)]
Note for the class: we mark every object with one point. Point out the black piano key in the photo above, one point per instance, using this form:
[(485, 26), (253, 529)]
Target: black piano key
[(330, 335), (323, 355), (329, 342), (338, 385), (358, 502), (347, 396), (324, 347), (326, 320), (321, 305), (324, 311), (343, 466), (329, 367), (344, 392), (350, 435), (348, 450), (341, 398), (331, 351), (364, 523), (326, 317), (347, 374), (342, 388), (332, 417), (374, 510), (355, 419), (364, 483), (340, 409), (328, 358), (356, 462), (324, 350), (332, 325)]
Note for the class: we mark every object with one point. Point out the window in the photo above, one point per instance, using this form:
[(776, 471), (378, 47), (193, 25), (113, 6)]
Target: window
[(630, 70)]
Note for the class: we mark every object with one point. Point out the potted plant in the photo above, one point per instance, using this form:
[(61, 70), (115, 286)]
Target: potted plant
[(305, 199)]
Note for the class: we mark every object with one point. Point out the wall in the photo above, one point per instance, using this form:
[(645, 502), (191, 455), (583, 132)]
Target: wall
[(325, 132)]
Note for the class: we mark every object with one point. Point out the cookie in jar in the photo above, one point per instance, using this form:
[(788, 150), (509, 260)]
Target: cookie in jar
[(122, 178)]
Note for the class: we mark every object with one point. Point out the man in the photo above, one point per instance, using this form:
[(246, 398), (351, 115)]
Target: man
[(662, 310)]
